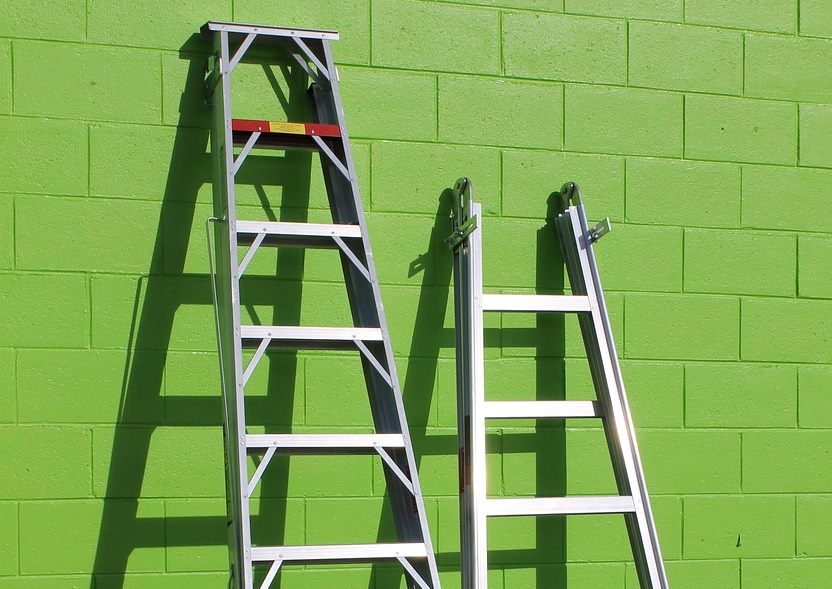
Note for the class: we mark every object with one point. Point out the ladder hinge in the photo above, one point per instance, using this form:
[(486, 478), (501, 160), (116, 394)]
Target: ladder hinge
[(461, 232), (599, 231)]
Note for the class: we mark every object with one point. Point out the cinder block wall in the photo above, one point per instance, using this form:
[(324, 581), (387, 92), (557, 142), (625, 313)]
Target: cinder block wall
[(700, 127)]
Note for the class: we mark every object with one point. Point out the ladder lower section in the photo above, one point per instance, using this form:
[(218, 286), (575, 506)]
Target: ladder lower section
[(587, 303), (302, 54)]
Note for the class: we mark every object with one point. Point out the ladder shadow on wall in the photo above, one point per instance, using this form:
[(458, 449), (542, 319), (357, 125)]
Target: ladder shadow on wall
[(148, 499), (542, 342), (529, 551), (144, 511), (419, 381)]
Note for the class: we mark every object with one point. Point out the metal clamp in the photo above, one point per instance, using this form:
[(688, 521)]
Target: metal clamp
[(463, 196), (571, 194), (599, 231)]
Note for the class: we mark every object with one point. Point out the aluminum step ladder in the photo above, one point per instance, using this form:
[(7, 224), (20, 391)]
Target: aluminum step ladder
[(369, 338), (587, 301)]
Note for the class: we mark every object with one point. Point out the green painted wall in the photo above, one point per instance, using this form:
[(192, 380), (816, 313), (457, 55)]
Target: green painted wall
[(701, 127)]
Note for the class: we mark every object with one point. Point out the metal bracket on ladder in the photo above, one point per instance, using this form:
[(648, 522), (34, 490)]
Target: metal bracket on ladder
[(459, 209), (369, 338), (587, 302)]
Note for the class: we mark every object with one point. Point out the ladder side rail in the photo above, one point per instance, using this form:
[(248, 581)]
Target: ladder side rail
[(601, 384), (598, 369), (363, 296), (646, 525), (620, 460), (462, 332), (230, 343), (461, 206), (361, 292), (477, 402), (367, 305), (569, 247), (641, 526)]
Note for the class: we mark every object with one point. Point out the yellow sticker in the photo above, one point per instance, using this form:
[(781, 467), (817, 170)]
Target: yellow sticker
[(293, 128)]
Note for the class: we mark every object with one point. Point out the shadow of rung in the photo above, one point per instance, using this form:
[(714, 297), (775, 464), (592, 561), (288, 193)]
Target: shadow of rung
[(208, 530)]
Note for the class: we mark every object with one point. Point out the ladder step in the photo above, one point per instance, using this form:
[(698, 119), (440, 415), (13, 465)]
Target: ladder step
[(282, 135), (338, 552), (509, 303), (560, 505), (336, 442), (297, 337), (297, 234), (538, 409), (282, 127)]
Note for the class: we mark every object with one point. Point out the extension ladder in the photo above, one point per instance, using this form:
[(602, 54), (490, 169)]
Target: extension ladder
[(586, 300), (369, 338)]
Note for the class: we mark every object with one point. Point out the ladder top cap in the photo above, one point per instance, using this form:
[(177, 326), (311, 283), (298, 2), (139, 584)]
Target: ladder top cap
[(241, 28)]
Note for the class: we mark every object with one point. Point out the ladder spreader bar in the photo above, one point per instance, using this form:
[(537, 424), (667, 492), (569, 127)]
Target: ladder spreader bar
[(298, 229), (342, 552), (560, 506), (325, 441), (285, 128), (539, 409), (228, 27), (509, 303), (292, 332)]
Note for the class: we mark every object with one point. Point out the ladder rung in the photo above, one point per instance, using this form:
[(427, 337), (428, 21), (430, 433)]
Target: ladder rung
[(309, 337), (298, 229), (538, 409), (231, 27), (279, 135), (560, 505), (508, 303), (325, 441), (298, 234), (338, 553), (286, 128)]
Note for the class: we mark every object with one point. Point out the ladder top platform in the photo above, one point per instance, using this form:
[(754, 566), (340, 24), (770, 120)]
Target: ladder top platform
[(213, 26)]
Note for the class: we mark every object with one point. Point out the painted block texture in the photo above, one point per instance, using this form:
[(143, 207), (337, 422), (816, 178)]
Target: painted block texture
[(677, 57), (701, 128)]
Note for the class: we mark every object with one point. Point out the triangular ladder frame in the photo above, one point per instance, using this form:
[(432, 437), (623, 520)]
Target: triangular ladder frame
[(370, 337)]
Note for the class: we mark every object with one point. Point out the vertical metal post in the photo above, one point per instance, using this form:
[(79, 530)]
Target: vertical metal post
[(477, 358), (467, 246), (228, 288), (621, 432)]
